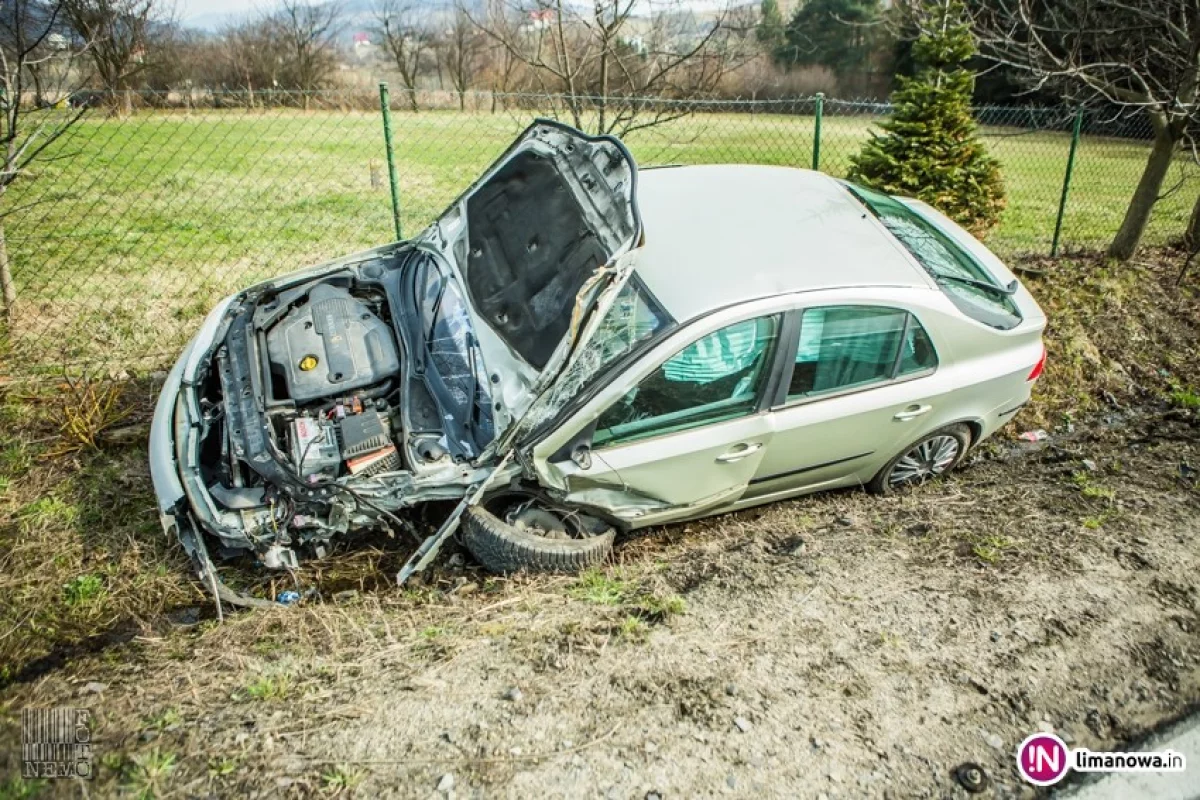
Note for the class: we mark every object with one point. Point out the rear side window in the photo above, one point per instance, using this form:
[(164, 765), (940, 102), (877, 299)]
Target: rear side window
[(948, 263), (847, 347), (916, 353)]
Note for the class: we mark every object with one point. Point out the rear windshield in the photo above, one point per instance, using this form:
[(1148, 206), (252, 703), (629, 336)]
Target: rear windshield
[(943, 259)]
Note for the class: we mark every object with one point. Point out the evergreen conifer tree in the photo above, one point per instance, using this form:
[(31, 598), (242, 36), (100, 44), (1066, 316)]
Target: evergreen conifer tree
[(930, 148)]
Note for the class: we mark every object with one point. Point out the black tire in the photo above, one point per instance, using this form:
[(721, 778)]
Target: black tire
[(882, 482), (501, 547)]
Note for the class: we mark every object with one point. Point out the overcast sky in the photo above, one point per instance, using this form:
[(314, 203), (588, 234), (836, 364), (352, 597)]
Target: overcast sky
[(189, 9)]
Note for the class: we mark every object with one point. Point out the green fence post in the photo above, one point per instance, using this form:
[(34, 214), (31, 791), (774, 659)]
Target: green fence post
[(385, 107), (1062, 202), (820, 109)]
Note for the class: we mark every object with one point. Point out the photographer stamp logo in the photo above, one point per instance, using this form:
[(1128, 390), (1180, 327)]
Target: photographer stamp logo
[(56, 743)]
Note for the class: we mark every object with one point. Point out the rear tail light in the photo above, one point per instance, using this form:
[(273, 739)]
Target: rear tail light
[(1036, 372)]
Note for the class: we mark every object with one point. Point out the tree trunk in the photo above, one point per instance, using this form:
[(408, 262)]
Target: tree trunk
[(6, 278), (1137, 215), (1191, 237), (603, 89)]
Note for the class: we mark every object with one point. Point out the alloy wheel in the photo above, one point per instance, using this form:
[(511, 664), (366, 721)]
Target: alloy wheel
[(925, 461)]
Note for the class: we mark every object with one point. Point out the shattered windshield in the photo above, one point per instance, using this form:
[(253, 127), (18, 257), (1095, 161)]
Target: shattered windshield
[(632, 320)]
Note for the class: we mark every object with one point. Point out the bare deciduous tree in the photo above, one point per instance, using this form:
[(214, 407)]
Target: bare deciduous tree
[(308, 32), (460, 49), (402, 29), (1140, 54), (604, 65), (252, 54), (118, 31), (33, 41), (502, 63)]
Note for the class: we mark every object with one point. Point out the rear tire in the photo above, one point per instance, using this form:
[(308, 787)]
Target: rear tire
[(501, 547), (926, 459)]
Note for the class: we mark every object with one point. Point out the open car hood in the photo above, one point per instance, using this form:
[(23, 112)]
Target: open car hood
[(530, 242)]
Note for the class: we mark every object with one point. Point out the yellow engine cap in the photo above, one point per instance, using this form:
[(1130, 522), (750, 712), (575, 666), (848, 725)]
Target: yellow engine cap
[(308, 363)]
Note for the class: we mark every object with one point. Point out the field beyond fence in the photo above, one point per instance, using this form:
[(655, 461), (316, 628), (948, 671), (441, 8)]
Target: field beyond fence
[(136, 226)]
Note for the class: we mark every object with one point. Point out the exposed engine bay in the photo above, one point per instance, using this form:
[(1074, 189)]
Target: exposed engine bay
[(331, 401), (319, 424)]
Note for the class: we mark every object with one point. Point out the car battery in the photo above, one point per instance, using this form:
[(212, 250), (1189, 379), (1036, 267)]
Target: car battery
[(315, 450)]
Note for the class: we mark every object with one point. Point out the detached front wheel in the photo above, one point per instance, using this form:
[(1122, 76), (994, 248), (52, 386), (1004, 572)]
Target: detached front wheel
[(924, 460), (518, 533)]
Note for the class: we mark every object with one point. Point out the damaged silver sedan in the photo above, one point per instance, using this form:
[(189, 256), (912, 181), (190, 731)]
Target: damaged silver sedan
[(561, 375)]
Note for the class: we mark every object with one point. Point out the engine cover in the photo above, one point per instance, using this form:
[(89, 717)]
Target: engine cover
[(330, 345)]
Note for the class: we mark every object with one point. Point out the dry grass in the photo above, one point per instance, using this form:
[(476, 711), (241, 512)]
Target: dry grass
[(291, 675), (86, 409), (1118, 334), (81, 553)]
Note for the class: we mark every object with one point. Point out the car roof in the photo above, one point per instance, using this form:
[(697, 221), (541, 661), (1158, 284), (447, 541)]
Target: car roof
[(724, 234)]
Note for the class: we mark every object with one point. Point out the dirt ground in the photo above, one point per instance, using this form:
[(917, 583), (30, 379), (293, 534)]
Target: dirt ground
[(841, 645)]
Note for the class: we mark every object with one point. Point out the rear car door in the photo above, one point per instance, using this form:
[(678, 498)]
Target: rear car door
[(862, 380), (687, 435)]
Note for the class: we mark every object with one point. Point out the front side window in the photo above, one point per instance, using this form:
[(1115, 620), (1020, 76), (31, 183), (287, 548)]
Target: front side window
[(714, 379), (846, 347), (956, 271)]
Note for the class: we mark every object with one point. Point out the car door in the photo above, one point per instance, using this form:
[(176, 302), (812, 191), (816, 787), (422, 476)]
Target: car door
[(685, 434), (861, 381)]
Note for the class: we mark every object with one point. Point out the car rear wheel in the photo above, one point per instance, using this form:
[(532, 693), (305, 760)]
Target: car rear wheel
[(926, 459), (517, 533)]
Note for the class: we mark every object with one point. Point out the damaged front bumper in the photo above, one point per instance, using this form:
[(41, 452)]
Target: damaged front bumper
[(177, 404)]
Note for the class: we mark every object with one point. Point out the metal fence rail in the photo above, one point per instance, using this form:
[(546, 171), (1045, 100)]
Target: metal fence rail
[(133, 227)]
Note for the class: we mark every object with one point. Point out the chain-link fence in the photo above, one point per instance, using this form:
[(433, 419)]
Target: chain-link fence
[(132, 227)]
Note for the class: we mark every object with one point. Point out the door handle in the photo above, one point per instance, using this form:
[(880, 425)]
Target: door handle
[(912, 412), (738, 452)]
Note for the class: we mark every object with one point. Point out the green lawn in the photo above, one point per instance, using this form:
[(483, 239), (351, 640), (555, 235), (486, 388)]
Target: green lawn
[(119, 245)]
